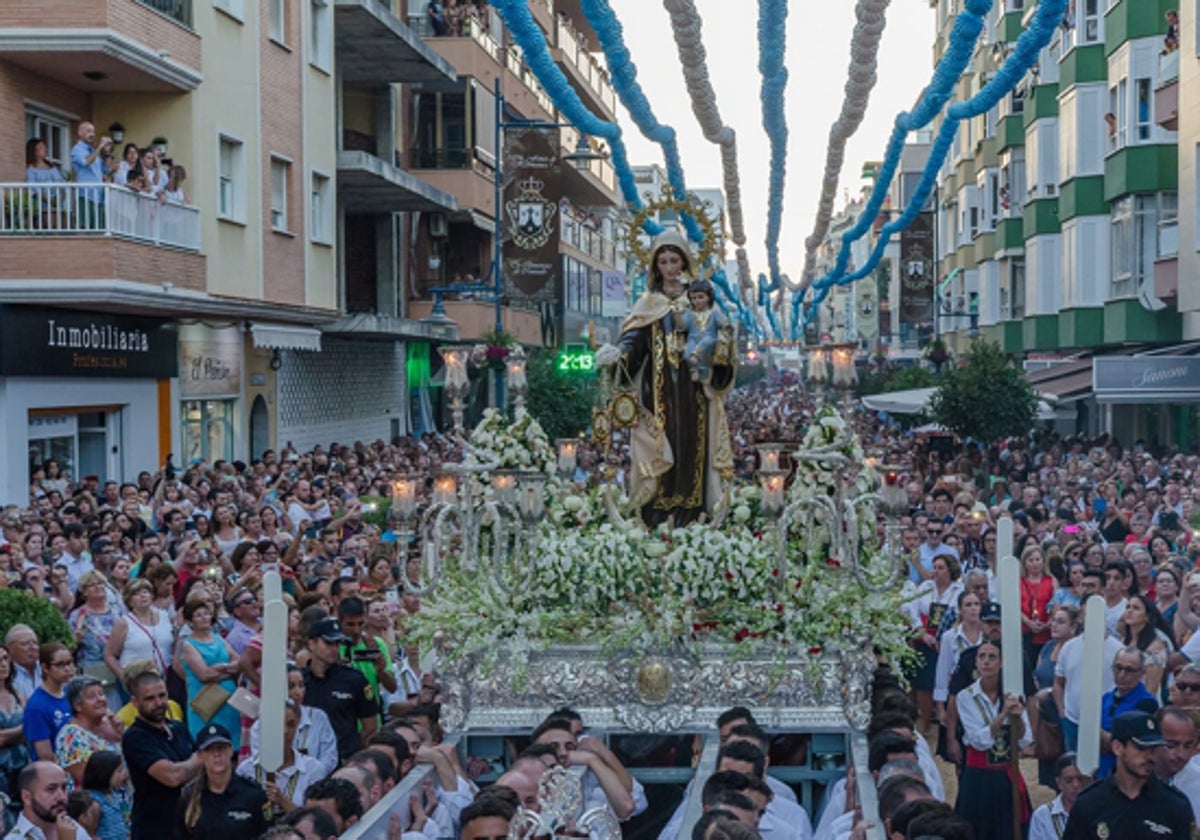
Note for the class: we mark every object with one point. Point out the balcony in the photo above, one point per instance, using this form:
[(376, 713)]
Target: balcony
[(107, 46), (476, 54), (1166, 94), (584, 72), (475, 318), (84, 231), (458, 172), (376, 47), (368, 184)]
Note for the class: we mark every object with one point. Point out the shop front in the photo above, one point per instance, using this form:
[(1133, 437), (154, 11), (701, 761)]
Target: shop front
[(89, 390), (1154, 399), (210, 389)]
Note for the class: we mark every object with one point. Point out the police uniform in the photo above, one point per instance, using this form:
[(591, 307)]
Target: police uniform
[(1102, 812), (346, 697)]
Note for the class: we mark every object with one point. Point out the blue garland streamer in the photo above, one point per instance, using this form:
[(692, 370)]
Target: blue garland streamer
[(1031, 42), (624, 79), (968, 25), (525, 32), (772, 43), (764, 303)]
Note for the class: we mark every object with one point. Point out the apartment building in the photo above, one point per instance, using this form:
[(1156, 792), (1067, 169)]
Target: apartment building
[(1058, 213), (334, 178), (460, 130)]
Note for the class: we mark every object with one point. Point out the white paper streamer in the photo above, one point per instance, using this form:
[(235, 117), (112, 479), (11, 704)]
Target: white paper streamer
[(864, 51)]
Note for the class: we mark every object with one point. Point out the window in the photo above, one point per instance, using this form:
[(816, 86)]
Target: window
[(233, 8), (208, 429), (320, 225), (280, 172), (277, 20), (1134, 245), (1144, 108), (321, 35), (231, 179), (1168, 224), (1117, 118), (53, 129)]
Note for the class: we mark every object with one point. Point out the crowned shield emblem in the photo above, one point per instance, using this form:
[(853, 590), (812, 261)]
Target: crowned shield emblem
[(531, 216)]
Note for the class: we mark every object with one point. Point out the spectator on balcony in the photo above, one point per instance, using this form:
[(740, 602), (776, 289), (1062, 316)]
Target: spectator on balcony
[(173, 191), (155, 175), (1171, 40), (89, 160), (38, 170), (437, 19), (129, 161)]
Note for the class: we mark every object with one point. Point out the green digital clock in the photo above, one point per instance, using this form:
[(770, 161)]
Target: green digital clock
[(576, 360)]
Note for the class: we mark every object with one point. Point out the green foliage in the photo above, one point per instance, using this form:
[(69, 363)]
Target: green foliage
[(896, 378), (985, 397), (500, 338), (17, 606), (379, 515), (561, 404)]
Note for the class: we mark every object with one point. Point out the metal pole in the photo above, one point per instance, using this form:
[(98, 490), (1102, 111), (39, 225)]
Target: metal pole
[(498, 230), (937, 298)]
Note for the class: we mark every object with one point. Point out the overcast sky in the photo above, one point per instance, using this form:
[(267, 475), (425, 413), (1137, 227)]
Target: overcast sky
[(818, 42)]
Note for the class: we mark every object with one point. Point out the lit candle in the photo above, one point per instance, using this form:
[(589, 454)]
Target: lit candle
[(1090, 686), (769, 457), (404, 496), (445, 490), (772, 493), (505, 484), (567, 447)]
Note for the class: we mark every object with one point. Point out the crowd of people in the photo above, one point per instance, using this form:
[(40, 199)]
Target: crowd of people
[(144, 170), (452, 18), (143, 715)]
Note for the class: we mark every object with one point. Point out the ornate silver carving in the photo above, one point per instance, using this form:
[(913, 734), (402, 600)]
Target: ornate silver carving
[(560, 799), (683, 689)]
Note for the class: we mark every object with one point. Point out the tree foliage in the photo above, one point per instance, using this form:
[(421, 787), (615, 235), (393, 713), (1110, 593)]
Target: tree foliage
[(561, 403), (985, 397), (18, 606), (895, 378)]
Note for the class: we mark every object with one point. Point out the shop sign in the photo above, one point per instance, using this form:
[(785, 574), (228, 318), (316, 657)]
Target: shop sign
[(210, 361), (59, 342), (1145, 377)]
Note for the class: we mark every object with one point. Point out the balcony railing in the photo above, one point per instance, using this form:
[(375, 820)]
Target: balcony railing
[(587, 66), (180, 10), (96, 210), (1168, 68)]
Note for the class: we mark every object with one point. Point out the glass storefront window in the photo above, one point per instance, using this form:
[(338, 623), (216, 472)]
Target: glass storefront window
[(208, 430)]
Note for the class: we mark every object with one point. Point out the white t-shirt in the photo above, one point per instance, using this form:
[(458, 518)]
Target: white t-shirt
[(1070, 667)]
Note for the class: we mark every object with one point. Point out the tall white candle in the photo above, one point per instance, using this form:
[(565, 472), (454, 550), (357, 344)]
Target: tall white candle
[(1091, 687), (1010, 624), (1004, 536), (274, 672)]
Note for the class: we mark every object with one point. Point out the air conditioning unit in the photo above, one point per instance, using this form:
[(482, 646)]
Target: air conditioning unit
[(437, 225)]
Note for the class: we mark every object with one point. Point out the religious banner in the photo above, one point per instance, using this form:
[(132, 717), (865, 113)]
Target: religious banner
[(916, 272), (532, 221)]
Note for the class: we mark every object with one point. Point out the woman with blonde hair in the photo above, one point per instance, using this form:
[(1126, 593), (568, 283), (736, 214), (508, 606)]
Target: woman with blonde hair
[(218, 803)]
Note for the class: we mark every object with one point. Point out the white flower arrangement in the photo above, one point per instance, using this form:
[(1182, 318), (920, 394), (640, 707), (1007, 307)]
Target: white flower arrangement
[(627, 587), (521, 445)]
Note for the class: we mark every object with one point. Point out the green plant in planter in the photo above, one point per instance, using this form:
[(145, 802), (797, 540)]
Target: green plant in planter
[(18, 606), (17, 210)]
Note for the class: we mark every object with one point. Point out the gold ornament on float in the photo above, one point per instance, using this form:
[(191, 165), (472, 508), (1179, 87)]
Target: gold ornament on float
[(641, 245)]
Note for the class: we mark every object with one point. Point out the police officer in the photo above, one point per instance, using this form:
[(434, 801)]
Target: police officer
[(341, 691), (1131, 804)]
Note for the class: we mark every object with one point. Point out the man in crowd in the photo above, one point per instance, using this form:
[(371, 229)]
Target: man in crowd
[(339, 690), (43, 789), (1128, 694)]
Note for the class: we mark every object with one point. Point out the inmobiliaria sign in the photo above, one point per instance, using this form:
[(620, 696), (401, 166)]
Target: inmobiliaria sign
[(36, 341)]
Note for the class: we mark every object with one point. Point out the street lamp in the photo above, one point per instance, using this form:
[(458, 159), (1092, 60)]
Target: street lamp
[(581, 158)]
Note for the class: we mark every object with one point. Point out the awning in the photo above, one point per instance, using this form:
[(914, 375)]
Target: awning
[(367, 184), (916, 400), (280, 337), (376, 47), (1065, 381)]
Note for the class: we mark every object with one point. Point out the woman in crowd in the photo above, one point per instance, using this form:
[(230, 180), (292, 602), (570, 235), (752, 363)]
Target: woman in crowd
[(380, 577), (985, 789), (1037, 590), (1064, 625), (215, 803), (92, 622), (934, 597), (145, 632), (90, 729), (1071, 592), (13, 752), (210, 666), (1168, 583), (39, 170), (275, 526), (164, 579), (964, 635), (1142, 626), (225, 533)]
